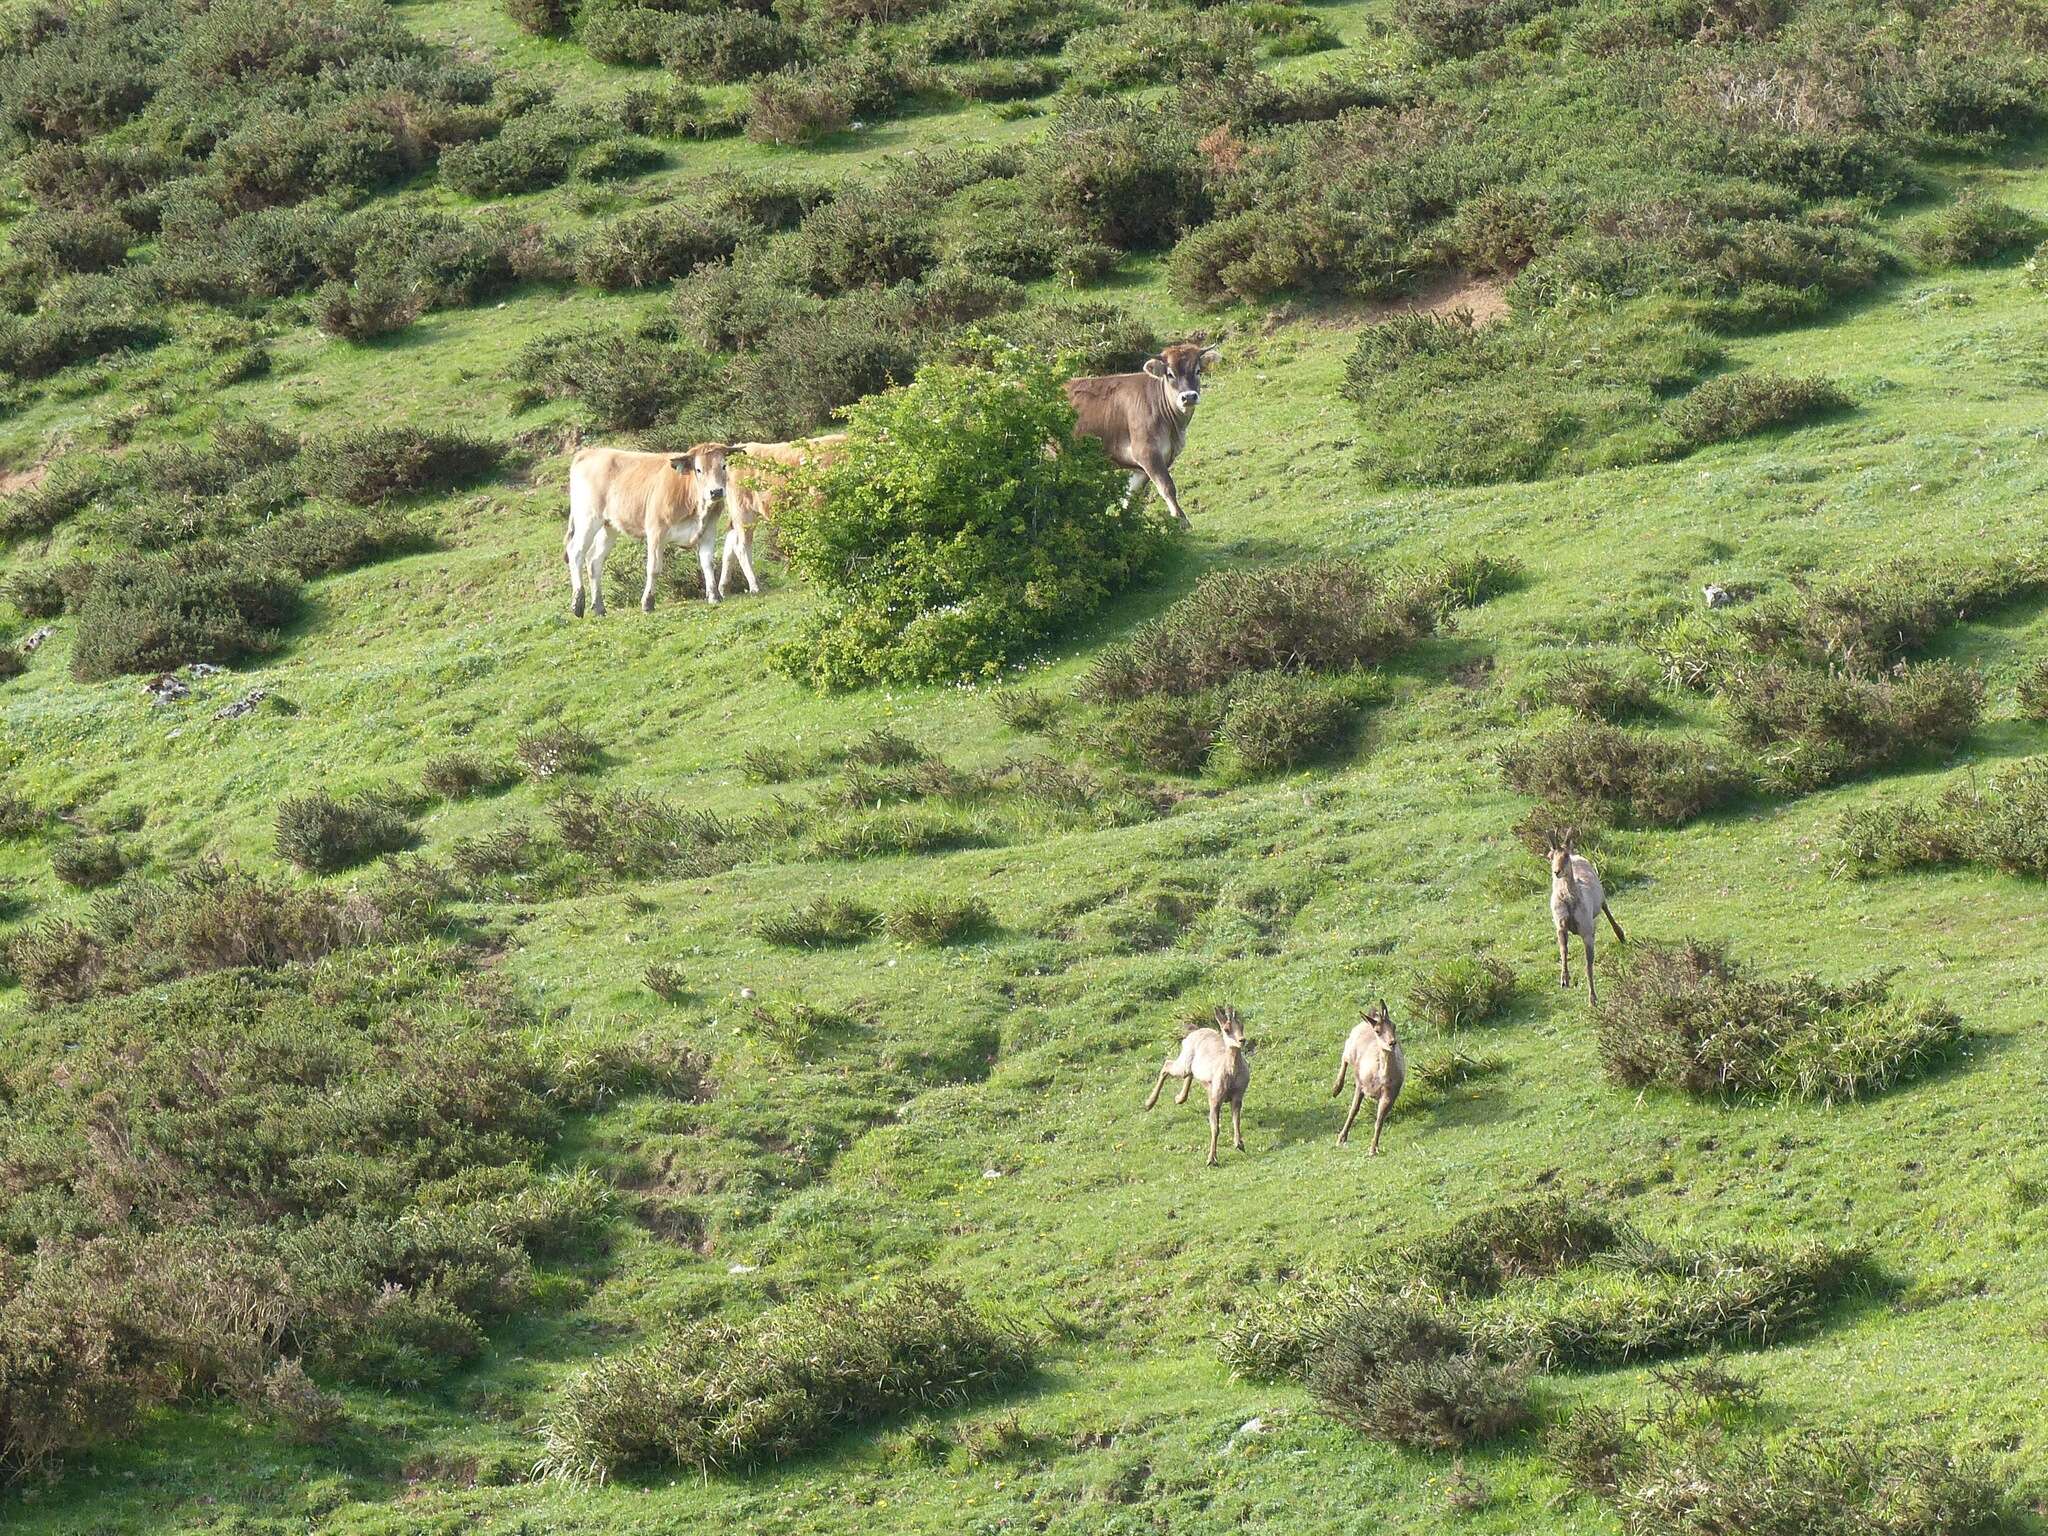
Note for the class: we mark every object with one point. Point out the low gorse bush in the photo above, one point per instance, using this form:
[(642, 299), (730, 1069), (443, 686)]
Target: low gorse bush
[(819, 923), (716, 1395), (934, 920), (1810, 728), (1975, 228), (1463, 991), (366, 467), (87, 863), (146, 613), (1690, 1017), (323, 834), (558, 749), (1999, 821), (465, 775), (1642, 778), (1743, 404)]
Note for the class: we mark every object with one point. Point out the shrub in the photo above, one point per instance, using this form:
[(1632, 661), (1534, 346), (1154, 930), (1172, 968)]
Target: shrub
[(373, 307), (1466, 990), (644, 249), (1403, 1377), (1122, 175), (464, 775), (1740, 404), (638, 835), (981, 29), (369, 466), (1599, 690), (35, 591), (810, 368), (798, 106), (934, 920), (1458, 29), (509, 164), (898, 830), (2002, 823), (87, 863), (1640, 778), (820, 922), (81, 319), (730, 45), (1975, 229), (1689, 1017), (557, 750), (617, 159), (1168, 47), (715, 1394), (541, 18), (146, 613), (1320, 616), (1872, 619), (313, 544), (1001, 79), (1273, 721), (622, 380), (2031, 694), (945, 541), (72, 242), (1593, 1449), (1166, 733), (865, 239), (320, 833), (1813, 728)]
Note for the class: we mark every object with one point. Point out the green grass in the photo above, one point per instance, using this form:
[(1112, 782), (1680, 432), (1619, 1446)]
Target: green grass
[(1025, 1051)]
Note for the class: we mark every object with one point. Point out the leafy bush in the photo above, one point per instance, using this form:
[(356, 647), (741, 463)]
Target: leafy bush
[(1599, 690), (644, 249), (728, 45), (1166, 733), (72, 242), (2031, 694), (822, 921), (318, 832), (932, 919), (1273, 721), (1689, 1017), (1159, 47), (465, 775), (945, 540), (504, 166), (865, 239), (541, 18), (146, 613), (1813, 728), (1122, 175), (617, 159), (1872, 619), (2002, 824), (369, 308), (87, 863), (369, 466), (1975, 229), (557, 750), (1740, 404), (715, 1394), (1463, 991), (81, 318), (898, 830), (1458, 29), (1644, 779), (622, 380)]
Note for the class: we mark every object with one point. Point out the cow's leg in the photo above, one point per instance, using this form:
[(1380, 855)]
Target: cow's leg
[(1237, 1121), (654, 542), (1163, 1074), (574, 555), (599, 546), (1215, 1126), (1162, 482), (745, 550), (706, 543), (1134, 491)]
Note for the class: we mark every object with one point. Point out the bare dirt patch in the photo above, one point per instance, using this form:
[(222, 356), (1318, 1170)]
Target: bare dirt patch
[(1445, 293), (13, 481)]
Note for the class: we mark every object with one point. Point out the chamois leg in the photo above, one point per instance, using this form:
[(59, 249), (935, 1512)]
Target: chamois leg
[(1237, 1123), (1564, 958), (1357, 1102), (1587, 938), (1186, 1083), (1215, 1126), (1619, 936), (1343, 1071), (1379, 1119), (1164, 1073)]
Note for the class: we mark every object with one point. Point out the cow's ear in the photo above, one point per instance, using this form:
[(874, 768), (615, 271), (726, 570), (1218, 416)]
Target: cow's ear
[(1156, 366), (736, 451), (680, 463), (1210, 356)]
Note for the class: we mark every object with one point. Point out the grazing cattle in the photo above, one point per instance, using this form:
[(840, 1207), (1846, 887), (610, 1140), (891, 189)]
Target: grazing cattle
[(1577, 902), (755, 486), (664, 498), (1374, 1062), (1142, 418), (1215, 1058)]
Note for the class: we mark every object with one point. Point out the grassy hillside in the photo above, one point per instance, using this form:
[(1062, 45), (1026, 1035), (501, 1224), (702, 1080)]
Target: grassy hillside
[(766, 1122)]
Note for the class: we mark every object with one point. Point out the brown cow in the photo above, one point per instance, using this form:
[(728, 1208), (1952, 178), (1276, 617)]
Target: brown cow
[(664, 498), (1142, 418), (756, 484)]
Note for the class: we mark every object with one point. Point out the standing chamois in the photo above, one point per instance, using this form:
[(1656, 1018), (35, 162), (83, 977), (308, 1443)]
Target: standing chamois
[(1215, 1058), (1375, 1063), (1576, 904)]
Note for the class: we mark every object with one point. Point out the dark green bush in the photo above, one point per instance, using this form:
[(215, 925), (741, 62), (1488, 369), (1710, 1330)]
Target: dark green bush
[(1599, 690), (798, 106), (1811, 728), (146, 613), (507, 165), (72, 242), (2001, 823), (87, 863), (639, 836), (728, 45), (715, 1394), (1463, 991), (644, 249), (933, 920), (1273, 721), (35, 592), (617, 159), (1170, 46), (621, 379), (1690, 1018), (464, 775), (320, 833), (1740, 404), (558, 750), (945, 541), (369, 308), (1458, 29), (864, 239), (1120, 174), (1643, 779), (314, 544), (1872, 619), (1402, 1376), (818, 923), (541, 18), (81, 319), (1166, 733), (1975, 229), (2031, 694), (366, 467), (982, 29)]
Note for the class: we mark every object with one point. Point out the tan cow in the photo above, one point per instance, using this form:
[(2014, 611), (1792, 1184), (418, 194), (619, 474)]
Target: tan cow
[(755, 486), (664, 498), (1142, 418)]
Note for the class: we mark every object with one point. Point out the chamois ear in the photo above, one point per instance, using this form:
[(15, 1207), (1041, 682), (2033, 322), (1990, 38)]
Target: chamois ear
[(1156, 366)]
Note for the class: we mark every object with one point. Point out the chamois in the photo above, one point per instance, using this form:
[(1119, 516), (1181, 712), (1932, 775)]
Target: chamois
[(1216, 1059), (1576, 904), (1375, 1063)]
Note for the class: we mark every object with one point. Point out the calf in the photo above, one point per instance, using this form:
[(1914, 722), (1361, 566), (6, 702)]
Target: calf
[(664, 498), (1577, 902), (755, 486), (1215, 1058), (1141, 419), (1374, 1062)]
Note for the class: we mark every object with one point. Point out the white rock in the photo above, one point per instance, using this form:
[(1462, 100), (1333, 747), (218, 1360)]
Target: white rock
[(741, 1269)]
